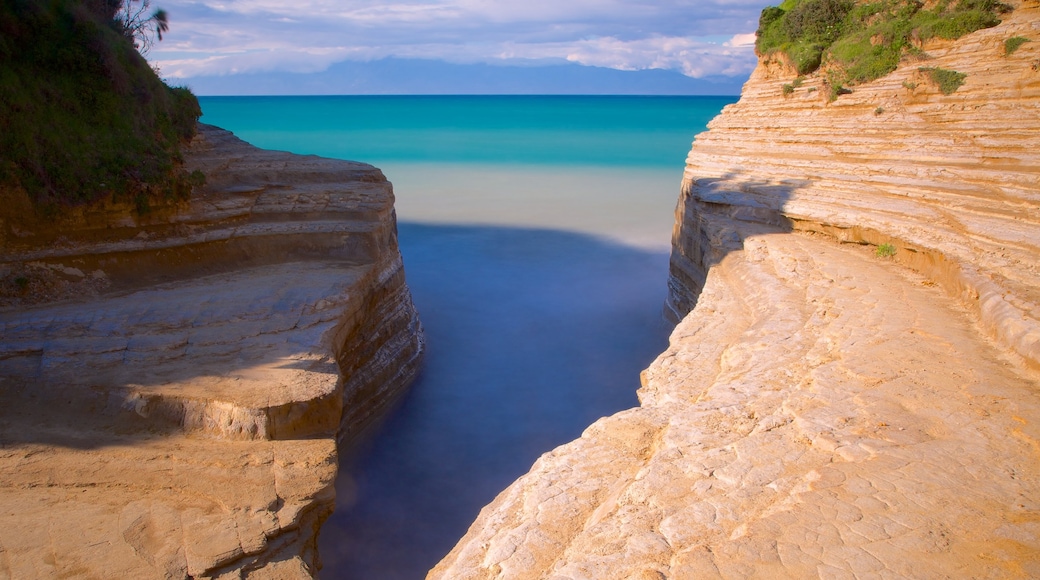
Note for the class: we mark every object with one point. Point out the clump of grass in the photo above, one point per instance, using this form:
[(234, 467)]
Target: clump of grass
[(790, 87), (909, 85), (947, 80), (879, 111), (885, 251), (1014, 43), (862, 42)]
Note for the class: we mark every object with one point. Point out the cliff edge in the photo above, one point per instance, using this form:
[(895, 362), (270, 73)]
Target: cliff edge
[(174, 381), (852, 388)]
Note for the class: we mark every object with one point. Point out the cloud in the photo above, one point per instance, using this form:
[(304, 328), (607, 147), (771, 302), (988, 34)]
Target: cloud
[(711, 37)]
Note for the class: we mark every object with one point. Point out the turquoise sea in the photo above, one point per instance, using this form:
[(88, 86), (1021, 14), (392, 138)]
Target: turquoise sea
[(535, 235)]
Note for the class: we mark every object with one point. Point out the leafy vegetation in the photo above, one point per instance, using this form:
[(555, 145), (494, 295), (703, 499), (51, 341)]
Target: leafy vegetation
[(857, 42), (790, 87), (885, 251), (82, 114), (1014, 43), (948, 81)]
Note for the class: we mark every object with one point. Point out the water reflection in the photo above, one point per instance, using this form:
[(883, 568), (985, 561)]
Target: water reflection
[(532, 335)]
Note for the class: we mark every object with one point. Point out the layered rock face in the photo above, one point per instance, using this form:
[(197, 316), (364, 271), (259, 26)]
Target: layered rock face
[(951, 181), (174, 382), (824, 411)]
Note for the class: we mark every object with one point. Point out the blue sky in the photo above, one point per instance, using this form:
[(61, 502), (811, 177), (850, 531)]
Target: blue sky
[(238, 45)]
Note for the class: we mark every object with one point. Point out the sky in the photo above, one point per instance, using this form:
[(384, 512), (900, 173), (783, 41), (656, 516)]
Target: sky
[(364, 46)]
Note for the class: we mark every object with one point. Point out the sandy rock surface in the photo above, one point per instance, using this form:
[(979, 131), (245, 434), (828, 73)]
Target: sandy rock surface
[(824, 411), (856, 427), (181, 419)]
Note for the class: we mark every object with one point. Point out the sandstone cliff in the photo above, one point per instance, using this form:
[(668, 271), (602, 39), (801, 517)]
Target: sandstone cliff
[(823, 410), (173, 382)]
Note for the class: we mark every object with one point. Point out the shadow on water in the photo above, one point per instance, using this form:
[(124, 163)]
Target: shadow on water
[(532, 335)]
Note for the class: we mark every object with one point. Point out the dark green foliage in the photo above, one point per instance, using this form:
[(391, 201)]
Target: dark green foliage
[(1014, 43), (816, 21), (865, 41), (82, 114), (948, 81)]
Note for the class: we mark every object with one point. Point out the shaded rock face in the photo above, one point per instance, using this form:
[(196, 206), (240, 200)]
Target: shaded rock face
[(823, 411), (175, 412)]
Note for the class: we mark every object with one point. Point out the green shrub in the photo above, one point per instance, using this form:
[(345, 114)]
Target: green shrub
[(885, 251), (1014, 43), (865, 41), (948, 81), (816, 21)]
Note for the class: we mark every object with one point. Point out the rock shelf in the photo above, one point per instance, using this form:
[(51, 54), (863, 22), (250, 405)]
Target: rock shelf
[(181, 418)]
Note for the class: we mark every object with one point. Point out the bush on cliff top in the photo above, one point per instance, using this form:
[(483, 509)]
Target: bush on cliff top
[(862, 41), (82, 114)]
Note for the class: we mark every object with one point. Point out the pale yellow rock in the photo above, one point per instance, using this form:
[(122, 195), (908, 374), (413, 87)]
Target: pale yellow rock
[(180, 418), (822, 411)]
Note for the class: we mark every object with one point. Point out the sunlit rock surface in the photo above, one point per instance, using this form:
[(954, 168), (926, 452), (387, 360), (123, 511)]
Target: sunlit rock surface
[(823, 411), (173, 382)]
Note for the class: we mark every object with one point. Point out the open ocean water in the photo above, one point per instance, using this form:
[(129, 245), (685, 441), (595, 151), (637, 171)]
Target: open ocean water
[(535, 234)]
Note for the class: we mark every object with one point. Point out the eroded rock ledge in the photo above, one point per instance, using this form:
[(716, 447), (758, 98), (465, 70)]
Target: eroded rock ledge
[(822, 411), (179, 417)]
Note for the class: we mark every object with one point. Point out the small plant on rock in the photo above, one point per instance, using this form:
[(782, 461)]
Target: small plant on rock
[(1014, 43), (885, 251), (947, 80)]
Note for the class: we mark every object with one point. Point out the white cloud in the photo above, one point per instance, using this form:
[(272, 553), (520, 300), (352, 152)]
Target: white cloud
[(742, 40), (234, 36)]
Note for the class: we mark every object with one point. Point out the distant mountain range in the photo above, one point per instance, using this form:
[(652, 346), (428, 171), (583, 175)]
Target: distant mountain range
[(416, 76)]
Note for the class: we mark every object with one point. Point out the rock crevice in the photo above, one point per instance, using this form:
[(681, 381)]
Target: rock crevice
[(823, 410)]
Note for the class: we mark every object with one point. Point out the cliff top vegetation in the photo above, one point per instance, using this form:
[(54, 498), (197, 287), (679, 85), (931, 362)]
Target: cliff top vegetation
[(82, 114), (855, 42)]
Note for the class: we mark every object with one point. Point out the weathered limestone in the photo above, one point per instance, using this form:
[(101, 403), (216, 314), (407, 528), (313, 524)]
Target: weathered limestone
[(952, 181), (179, 417), (822, 411)]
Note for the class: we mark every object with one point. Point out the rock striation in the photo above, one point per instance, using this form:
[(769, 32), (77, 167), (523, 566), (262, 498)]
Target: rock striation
[(823, 410), (174, 381)]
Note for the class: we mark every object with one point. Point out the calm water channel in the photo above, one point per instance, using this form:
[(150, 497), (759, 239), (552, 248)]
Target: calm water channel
[(535, 234)]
